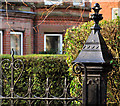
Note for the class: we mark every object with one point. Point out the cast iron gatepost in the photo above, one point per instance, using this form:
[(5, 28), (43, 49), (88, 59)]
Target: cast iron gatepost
[(94, 61)]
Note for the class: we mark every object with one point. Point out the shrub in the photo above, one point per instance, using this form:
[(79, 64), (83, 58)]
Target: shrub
[(76, 37), (39, 68)]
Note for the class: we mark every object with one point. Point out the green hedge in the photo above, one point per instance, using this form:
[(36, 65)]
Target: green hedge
[(39, 68), (76, 37)]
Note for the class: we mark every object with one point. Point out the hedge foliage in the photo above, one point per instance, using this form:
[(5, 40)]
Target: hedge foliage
[(39, 68), (76, 37)]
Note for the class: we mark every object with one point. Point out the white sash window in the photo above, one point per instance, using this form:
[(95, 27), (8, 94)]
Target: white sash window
[(78, 2), (53, 43), (51, 2), (16, 40), (57, 2), (115, 12)]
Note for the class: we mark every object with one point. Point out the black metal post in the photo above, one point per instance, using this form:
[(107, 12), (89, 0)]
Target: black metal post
[(96, 58)]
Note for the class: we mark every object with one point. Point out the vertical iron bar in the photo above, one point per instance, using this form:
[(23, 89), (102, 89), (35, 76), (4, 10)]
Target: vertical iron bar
[(12, 78), (86, 89), (29, 90), (47, 91), (65, 91)]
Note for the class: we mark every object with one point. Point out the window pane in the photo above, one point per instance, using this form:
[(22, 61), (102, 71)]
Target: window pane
[(16, 43), (53, 44), (115, 13), (77, 1), (53, 0)]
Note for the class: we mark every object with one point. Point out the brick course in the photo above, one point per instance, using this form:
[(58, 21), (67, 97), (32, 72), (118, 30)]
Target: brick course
[(17, 24), (54, 23)]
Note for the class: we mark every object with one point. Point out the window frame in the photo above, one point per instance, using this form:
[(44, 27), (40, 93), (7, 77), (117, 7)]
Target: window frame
[(83, 3), (113, 12), (20, 33), (60, 35), (1, 42), (52, 2), (60, 2)]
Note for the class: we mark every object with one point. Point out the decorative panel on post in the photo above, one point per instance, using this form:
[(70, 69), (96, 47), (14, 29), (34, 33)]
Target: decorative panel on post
[(96, 58)]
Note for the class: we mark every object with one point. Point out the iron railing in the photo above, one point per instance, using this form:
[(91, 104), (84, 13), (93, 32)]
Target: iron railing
[(48, 99)]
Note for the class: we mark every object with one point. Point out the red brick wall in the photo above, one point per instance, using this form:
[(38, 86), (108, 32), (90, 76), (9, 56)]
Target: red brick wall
[(51, 24), (19, 25), (56, 24)]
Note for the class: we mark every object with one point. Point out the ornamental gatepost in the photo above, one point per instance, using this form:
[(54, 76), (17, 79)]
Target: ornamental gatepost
[(94, 63)]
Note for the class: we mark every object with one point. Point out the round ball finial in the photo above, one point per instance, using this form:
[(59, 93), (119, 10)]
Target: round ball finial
[(96, 5), (96, 8)]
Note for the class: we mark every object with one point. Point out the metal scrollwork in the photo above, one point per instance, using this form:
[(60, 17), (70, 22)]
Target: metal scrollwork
[(78, 67), (6, 64), (17, 64), (48, 95)]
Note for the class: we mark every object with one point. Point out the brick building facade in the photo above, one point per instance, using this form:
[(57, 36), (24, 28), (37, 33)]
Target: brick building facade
[(38, 27)]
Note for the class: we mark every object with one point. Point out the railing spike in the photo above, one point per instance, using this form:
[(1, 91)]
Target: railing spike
[(47, 91)]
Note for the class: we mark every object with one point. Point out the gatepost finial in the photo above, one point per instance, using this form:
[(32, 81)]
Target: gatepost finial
[(96, 16)]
